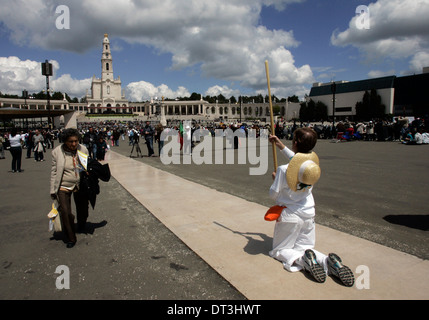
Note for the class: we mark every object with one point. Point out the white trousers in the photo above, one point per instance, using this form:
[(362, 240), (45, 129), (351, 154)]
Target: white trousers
[(292, 236)]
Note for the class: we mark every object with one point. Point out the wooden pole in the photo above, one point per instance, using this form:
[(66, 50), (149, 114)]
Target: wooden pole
[(271, 114)]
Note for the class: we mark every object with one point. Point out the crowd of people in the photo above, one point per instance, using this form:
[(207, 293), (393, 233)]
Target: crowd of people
[(34, 141), (100, 136), (401, 129)]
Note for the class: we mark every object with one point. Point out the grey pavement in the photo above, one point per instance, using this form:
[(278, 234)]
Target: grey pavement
[(125, 254)]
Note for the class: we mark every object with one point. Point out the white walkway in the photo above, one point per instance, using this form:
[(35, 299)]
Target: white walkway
[(231, 235)]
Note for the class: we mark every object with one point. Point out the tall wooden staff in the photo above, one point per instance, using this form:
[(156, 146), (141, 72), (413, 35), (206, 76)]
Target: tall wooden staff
[(271, 115)]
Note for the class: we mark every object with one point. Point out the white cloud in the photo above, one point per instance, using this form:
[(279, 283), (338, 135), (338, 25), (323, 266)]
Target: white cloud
[(419, 61), (223, 90), (17, 75), (223, 38), (73, 87), (399, 29), (142, 91), (380, 73)]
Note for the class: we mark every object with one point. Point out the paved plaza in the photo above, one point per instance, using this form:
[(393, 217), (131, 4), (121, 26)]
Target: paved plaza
[(197, 231), (126, 253), (373, 190)]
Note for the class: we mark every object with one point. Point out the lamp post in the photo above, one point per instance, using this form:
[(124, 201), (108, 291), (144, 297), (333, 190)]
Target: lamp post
[(25, 96), (47, 71), (334, 90), (240, 109)]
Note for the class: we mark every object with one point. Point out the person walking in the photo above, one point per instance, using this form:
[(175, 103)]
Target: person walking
[(65, 181), (158, 131), (90, 142), (39, 147), (15, 140), (30, 144), (2, 140), (148, 136)]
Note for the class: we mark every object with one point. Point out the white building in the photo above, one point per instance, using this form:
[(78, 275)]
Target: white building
[(347, 94), (106, 93)]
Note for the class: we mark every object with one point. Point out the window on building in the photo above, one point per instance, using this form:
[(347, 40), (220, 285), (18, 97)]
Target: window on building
[(107, 66), (343, 109)]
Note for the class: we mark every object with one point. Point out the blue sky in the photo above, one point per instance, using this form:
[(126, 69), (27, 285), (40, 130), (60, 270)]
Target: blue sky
[(173, 48)]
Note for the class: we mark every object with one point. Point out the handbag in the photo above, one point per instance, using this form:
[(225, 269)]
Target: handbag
[(6, 144), (54, 218)]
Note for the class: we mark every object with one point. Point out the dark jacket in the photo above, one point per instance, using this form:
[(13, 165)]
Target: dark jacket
[(89, 182)]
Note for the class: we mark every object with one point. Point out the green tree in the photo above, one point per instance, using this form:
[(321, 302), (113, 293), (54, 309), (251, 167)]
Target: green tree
[(370, 107), (293, 98), (321, 111), (194, 96)]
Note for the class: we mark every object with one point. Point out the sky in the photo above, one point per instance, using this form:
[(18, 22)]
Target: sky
[(172, 48)]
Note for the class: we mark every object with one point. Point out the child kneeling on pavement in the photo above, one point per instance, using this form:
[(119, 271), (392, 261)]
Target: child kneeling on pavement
[(294, 231)]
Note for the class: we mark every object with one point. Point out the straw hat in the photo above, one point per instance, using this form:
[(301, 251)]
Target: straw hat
[(303, 168)]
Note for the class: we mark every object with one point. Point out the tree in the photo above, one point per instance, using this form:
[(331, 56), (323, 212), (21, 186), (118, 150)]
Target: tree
[(321, 111), (293, 98), (370, 107), (194, 96), (221, 98), (313, 111)]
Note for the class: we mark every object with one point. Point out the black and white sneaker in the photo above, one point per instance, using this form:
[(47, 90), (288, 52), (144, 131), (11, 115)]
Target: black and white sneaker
[(339, 270), (313, 267)]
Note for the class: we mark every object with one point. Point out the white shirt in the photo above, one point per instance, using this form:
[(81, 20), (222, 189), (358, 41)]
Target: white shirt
[(300, 202), (425, 137), (418, 137), (16, 140)]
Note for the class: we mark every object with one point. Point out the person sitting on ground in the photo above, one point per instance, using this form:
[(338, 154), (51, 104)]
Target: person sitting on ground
[(418, 137)]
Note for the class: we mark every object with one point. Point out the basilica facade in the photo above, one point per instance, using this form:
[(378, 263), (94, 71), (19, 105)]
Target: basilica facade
[(106, 92)]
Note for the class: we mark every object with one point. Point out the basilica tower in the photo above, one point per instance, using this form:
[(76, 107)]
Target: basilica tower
[(106, 92), (106, 60)]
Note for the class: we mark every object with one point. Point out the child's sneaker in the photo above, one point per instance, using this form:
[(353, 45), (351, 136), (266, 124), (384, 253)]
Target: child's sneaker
[(339, 270), (312, 266)]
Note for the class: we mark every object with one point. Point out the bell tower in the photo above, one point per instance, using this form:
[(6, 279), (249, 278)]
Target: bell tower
[(106, 60), (106, 93)]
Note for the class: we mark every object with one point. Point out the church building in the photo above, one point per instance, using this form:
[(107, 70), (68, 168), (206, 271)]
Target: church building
[(106, 93)]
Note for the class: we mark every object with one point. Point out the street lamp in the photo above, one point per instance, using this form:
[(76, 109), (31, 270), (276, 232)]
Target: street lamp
[(334, 90), (25, 96), (47, 71), (240, 109)]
